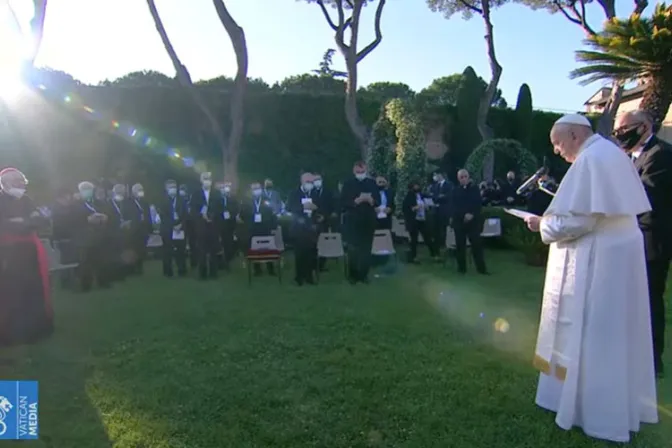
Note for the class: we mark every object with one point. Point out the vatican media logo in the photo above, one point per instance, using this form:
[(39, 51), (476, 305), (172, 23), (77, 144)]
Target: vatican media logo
[(5, 407), (19, 410)]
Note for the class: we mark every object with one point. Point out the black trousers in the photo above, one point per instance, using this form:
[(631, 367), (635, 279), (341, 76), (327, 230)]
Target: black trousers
[(416, 228), (95, 264), (140, 250), (207, 249), (228, 244), (657, 274), (192, 240), (305, 258), (174, 250), (359, 254), (438, 232), (471, 230)]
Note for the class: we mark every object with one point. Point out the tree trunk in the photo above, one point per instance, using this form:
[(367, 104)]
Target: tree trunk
[(352, 58), (657, 98), (489, 94), (605, 125), (185, 79), (37, 28), (237, 36)]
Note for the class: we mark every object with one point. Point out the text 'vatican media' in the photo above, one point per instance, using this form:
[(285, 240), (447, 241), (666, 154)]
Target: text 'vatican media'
[(19, 417)]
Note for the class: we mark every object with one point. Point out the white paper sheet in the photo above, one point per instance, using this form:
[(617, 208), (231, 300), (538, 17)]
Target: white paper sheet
[(518, 213), (178, 235)]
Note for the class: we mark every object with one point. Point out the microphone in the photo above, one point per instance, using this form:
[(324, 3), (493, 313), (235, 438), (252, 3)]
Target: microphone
[(532, 179)]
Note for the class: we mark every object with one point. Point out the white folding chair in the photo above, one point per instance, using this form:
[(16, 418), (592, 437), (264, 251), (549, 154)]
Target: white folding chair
[(492, 228), (330, 245), (399, 228), (54, 257)]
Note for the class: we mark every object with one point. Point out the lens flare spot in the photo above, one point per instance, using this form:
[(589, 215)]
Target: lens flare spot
[(501, 325)]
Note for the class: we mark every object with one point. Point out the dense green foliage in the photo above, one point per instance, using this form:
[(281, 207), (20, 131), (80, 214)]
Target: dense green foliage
[(381, 156), (411, 158), (524, 162), (465, 135)]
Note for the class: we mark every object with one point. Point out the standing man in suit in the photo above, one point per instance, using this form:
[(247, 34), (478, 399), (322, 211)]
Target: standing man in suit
[(304, 229), (467, 223), (385, 210), (172, 218), (230, 210), (189, 228), (653, 159), (206, 206), (141, 227), (359, 198), (441, 192)]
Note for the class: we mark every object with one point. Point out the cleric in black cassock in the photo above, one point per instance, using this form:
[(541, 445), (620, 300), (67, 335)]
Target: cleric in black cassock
[(359, 198), (25, 307), (304, 230)]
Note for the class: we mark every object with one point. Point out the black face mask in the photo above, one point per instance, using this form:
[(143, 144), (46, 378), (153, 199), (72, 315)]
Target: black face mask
[(382, 187), (629, 139), (416, 189)]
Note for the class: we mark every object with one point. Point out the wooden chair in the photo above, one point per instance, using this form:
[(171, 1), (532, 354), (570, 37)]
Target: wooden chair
[(330, 245), (492, 228), (263, 249), (383, 245)]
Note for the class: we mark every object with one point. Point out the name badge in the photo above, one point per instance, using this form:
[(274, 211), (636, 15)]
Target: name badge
[(382, 215), (204, 210), (226, 215), (305, 201), (178, 234), (257, 217), (176, 216)]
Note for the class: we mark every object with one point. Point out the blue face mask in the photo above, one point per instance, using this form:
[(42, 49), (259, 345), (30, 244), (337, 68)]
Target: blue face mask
[(86, 194)]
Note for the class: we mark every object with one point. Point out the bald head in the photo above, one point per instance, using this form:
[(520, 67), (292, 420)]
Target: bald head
[(567, 139), (463, 177), (633, 129)]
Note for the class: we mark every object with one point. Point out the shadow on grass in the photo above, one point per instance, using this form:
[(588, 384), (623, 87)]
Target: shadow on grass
[(182, 363)]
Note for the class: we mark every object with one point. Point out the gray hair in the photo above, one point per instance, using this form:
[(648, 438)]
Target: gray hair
[(86, 185)]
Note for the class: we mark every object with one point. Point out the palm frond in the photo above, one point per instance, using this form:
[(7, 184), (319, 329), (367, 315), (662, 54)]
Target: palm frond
[(593, 73)]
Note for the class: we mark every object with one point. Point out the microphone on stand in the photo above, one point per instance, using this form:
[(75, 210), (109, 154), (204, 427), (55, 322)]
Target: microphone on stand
[(532, 180)]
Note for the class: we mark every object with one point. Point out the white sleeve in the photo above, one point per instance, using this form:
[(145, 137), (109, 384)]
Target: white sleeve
[(555, 228)]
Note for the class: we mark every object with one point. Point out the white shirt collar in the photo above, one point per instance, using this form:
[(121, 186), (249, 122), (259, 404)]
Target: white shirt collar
[(635, 154)]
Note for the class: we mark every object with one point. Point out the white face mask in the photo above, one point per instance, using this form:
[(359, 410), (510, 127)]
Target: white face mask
[(360, 176), (183, 193), (256, 192), (206, 183), (318, 184), (16, 192), (172, 191), (140, 194), (226, 189), (435, 178), (307, 186), (118, 197)]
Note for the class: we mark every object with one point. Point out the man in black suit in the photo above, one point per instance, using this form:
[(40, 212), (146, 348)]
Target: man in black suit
[(467, 223), (441, 192), (359, 198), (206, 212), (173, 216), (386, 209), (304, 229), (508, 193), (227, 230), (141, 227), (653, 159)]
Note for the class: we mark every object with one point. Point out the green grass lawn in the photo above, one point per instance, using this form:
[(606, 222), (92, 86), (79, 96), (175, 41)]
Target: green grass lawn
[(407, 361)]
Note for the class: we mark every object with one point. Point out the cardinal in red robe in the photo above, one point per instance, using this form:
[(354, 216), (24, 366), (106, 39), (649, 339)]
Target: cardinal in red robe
[(25, 308)]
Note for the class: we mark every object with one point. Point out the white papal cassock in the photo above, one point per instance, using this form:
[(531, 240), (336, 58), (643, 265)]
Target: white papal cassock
[(594, 345)]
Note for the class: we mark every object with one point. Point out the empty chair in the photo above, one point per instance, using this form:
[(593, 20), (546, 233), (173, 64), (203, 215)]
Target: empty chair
[(492, 227), (330, 245)]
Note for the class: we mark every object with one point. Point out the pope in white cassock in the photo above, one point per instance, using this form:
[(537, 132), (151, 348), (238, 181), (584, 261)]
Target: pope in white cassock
[(594, 344)]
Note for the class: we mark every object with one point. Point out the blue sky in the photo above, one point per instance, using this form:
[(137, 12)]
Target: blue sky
[(95, 39)]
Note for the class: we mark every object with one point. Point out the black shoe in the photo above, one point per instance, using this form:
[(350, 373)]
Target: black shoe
[(168, 274), (298, 282), (365, 280), (461, 271), (484, 272), (352, 280), (310, 281)]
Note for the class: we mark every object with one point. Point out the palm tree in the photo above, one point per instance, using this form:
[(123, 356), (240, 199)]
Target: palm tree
[(632, 49)]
